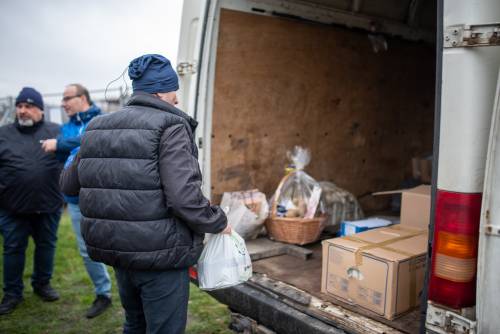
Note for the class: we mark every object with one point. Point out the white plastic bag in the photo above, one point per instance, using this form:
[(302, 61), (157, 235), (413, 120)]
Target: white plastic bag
[(224, 262), (246, 212)]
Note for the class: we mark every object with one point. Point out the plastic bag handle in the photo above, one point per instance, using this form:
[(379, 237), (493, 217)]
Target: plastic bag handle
[(277, 194)]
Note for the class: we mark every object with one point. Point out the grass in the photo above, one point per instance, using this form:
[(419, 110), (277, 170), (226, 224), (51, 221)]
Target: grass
[(33, 316)]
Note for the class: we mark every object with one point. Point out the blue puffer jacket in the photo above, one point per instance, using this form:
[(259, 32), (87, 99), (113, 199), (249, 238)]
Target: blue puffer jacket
[(69, 139)]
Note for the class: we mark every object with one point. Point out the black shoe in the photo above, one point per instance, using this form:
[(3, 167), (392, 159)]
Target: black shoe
[(46, 292), (100, 304), (9, 303)]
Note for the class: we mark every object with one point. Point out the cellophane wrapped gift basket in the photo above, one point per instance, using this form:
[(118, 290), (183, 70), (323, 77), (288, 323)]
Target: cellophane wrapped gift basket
[(297, 212)]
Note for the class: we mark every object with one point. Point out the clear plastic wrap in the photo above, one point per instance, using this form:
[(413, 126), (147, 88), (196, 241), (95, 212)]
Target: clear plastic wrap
[(246, 212), (340, 205), (300, 195)]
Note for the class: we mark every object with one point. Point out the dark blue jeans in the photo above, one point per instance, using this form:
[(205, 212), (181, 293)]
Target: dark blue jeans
[(155, 302), (16, 230)]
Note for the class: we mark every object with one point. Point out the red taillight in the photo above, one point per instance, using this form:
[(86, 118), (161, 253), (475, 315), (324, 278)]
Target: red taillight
[(454, 254)]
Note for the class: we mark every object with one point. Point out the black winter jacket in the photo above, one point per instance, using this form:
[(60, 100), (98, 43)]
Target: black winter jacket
[(140, 193), (29, 177)]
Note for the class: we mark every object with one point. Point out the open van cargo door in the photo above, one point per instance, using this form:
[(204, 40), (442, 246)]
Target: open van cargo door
[(470, 61), (469, 75), (488, 272), (194, 64), (189, 53)]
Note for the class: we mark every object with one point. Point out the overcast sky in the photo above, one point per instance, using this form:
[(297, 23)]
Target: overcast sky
[(51, 43)]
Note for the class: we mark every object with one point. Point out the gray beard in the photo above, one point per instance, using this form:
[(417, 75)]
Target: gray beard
[(26, 122)]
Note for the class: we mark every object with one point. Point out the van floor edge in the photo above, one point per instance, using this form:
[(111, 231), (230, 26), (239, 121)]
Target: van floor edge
[(306, 275)]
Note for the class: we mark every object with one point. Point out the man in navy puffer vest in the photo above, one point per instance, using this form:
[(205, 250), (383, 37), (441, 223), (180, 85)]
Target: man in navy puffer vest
[(80, 110), (140, 193)]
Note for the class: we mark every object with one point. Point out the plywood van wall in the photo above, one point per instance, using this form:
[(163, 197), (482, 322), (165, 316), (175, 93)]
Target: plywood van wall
[(282, 82)]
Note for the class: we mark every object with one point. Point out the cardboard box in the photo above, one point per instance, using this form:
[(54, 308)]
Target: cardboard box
[(415, 206), (381, 270)]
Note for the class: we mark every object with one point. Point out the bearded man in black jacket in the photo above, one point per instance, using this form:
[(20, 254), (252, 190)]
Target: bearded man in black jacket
[(30, 200), (140, 195)]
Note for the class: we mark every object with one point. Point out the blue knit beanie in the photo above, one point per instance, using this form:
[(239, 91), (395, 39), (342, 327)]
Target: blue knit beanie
[(153, 74), (31, 96)]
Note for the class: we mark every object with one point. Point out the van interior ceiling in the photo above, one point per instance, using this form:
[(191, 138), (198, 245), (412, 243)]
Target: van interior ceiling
[(364, 111)]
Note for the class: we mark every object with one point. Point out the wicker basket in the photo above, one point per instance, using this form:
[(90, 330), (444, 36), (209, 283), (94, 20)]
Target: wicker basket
[(298, 231)]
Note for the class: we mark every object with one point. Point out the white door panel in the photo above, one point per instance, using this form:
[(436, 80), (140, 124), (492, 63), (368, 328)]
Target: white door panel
[(193, 15), (488, 301)]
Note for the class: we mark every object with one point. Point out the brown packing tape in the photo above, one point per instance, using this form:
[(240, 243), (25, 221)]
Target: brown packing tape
[(358, 254), (403, 228)]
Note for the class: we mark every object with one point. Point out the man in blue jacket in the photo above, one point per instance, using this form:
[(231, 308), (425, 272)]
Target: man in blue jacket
[(80, 110)]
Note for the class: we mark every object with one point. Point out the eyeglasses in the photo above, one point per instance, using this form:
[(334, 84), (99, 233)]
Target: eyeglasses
[(67, 98)]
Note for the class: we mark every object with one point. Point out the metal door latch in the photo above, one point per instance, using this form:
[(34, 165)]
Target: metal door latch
[(184, 68), (463, 35)]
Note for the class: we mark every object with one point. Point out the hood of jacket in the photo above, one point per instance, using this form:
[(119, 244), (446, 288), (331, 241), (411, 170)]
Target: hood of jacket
[(149, 100)]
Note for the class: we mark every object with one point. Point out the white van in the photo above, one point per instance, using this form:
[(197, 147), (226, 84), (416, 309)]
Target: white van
[(366, 85)]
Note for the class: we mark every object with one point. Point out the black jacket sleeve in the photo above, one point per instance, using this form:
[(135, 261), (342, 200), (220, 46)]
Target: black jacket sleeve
[(181, 181), (68, 181)]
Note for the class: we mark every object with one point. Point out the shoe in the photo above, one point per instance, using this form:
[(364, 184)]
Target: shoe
[(9, 303), (100, 304), (46, 292)]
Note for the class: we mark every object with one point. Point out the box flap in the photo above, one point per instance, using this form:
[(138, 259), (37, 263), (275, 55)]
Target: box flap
[(416, 207), (388, 192), (422, 189)]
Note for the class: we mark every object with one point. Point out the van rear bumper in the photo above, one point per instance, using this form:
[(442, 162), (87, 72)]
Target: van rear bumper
[(271, 312)]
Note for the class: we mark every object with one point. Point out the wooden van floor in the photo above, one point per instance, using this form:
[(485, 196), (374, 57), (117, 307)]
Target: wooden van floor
[(306, 275)]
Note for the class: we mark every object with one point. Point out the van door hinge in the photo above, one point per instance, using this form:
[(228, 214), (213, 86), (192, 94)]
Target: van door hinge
[(492, 230), (185, 67), (200, 142), (463, 35), (442, 321), (457, 324)]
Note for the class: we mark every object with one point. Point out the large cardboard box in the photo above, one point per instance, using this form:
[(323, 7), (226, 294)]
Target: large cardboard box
[(381, 270), (415, 206)]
